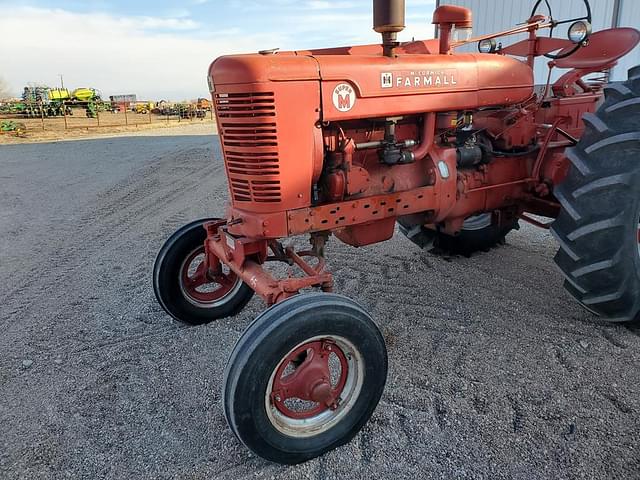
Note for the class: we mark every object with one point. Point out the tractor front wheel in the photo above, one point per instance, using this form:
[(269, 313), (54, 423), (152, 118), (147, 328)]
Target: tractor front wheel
[(304, 377), (183, 286), (597, 228)]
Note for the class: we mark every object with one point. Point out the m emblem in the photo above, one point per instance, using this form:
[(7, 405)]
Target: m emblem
[(344, 97)]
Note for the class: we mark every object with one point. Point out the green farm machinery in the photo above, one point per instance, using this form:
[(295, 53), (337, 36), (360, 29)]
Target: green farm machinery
[(56, 102)]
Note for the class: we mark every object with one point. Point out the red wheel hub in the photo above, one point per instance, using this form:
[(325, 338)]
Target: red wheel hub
[(204, 285), (310, 379)]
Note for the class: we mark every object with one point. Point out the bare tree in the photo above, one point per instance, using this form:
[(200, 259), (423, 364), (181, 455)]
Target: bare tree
[(4, 89)]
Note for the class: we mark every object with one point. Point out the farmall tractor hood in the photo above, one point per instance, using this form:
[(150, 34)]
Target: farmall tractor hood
[(257, 68), (357, 85)]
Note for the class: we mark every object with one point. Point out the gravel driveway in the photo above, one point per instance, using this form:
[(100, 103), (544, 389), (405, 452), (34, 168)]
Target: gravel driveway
[(495, 372)]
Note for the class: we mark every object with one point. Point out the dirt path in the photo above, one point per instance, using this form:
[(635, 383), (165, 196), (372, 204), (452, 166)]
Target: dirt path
[(494, 371), (57, 132)]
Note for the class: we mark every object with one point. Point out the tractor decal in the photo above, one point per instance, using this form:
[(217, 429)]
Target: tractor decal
[(344, 97), (419, 79), (386, 80)]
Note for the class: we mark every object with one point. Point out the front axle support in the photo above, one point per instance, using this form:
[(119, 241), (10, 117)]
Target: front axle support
[(246, 259)]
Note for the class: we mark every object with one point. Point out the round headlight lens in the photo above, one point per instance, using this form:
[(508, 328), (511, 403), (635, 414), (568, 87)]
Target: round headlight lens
[(487, 46), (579, 31)]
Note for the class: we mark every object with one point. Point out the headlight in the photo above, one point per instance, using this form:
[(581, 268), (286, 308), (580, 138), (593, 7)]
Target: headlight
[(579, 31), (487, 46)]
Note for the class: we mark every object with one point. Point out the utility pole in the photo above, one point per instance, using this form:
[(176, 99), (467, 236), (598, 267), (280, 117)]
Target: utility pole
[(61, 81)]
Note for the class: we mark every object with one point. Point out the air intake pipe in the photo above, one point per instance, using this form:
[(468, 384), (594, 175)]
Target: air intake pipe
[(388, 20)]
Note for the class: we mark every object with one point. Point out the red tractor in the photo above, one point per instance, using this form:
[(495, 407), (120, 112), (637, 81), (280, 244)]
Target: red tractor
[(454, 147)]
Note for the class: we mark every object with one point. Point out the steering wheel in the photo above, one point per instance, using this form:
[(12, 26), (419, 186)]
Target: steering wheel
[(555, 23)]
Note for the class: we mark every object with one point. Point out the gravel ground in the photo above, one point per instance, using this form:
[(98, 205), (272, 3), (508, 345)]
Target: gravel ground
[(494, 371)]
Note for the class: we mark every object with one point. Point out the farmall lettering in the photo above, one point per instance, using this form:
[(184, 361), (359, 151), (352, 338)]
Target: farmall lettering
[(344, 97), (419, 79)]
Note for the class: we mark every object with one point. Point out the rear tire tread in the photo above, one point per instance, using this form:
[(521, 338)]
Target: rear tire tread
[(598, 223)]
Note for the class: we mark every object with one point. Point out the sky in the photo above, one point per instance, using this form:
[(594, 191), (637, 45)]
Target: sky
[(161, 49)]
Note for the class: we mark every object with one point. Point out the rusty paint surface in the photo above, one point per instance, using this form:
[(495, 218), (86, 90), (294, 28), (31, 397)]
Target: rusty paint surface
[(306, 137)]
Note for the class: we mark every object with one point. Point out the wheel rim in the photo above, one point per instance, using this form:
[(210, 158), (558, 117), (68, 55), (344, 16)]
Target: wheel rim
[(314, 386), (477, 222), (202, 288)]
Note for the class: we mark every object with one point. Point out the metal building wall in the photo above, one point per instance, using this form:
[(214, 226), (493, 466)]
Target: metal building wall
[(629, 17), (495, 15)]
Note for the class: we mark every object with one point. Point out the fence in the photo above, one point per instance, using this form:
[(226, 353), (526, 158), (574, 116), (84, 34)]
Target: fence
[(72, 117)]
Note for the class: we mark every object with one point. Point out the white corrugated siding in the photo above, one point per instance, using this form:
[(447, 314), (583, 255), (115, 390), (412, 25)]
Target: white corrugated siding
[(496, 15), (629, 17)]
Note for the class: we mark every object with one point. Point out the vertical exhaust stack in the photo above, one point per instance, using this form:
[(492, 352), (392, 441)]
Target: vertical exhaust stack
[(388, 20)]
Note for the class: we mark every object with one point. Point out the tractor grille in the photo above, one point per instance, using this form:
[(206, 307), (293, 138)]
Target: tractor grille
[(250, 144)]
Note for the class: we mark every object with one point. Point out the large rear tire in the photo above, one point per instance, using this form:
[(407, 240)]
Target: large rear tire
[(597, 228), (478, 234)]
